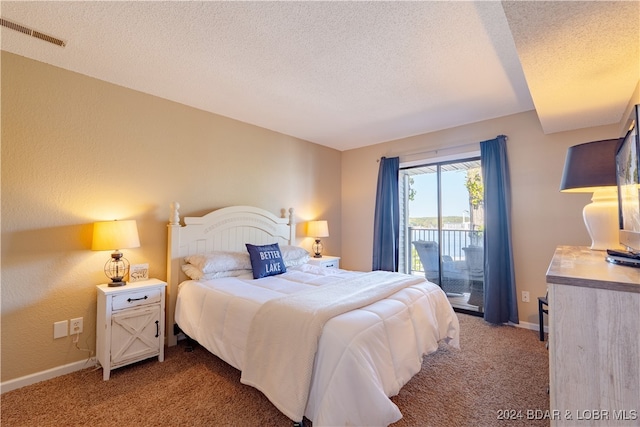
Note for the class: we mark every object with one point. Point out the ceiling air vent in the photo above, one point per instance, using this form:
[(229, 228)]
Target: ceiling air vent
[(30, 32)]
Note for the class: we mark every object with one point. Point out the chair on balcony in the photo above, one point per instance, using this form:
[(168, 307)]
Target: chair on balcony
[(474, 257), (454, 275)]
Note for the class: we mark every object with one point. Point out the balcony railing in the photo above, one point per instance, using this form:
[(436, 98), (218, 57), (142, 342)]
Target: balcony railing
[(452, 242)]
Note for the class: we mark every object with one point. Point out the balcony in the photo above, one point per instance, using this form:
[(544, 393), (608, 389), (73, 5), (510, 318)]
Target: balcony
[(459, 270)]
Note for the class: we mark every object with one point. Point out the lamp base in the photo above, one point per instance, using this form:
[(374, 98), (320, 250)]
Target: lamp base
[(115, 284), (116, 269), (601, 219), (317, 249)]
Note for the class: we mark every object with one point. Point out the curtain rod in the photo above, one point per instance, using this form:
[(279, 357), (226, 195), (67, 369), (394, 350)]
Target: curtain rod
[(436, 150), (433, 150)]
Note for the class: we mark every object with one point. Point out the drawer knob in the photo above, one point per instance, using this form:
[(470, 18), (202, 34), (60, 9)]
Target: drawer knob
[(137, 299)]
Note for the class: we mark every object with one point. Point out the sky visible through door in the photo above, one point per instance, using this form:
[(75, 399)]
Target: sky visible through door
[(426, 189)]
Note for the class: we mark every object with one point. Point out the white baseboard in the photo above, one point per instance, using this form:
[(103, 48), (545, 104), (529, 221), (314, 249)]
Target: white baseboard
[(46, 375)]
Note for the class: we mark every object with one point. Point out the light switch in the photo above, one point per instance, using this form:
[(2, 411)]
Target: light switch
[(61, 329)]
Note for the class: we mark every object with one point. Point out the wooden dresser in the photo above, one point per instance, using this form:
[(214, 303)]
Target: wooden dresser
[(594, 340)]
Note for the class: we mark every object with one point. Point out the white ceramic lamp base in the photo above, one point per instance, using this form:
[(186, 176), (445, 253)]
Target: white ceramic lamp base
[(601, 218)]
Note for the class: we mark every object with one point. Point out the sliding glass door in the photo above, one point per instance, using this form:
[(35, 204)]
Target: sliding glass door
[(442, 230)]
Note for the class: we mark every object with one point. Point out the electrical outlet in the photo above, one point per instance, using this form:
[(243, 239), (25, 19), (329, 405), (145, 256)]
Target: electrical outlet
[(76, 326), (525, 296), (60, 329)]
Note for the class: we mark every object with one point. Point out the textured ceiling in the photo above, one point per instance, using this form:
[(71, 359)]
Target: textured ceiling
[(350, 74)]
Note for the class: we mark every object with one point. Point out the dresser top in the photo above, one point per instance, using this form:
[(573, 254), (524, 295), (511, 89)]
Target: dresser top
[(581, 266)]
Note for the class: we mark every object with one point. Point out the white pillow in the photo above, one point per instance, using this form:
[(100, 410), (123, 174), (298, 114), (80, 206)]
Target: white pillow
[(195, 273), (294, 255), (205, 266), (218, 261)]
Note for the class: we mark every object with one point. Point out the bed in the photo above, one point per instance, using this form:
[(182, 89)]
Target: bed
[(335, 363)]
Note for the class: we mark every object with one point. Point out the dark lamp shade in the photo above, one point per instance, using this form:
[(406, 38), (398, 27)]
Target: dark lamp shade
[(590, 166)]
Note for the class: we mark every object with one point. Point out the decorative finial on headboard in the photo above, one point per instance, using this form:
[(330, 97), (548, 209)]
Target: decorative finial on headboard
[(292, 221), (174, 217), (283, 214), (292, 228)]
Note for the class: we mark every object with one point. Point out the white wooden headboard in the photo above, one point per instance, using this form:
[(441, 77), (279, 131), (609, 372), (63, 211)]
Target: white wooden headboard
[(226, 229)]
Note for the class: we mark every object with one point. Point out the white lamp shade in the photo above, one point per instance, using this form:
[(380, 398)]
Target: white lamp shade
[(112, 235), (318, 229)]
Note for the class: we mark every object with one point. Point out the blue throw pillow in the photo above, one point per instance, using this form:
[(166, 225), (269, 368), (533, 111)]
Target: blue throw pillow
[(266, 260)]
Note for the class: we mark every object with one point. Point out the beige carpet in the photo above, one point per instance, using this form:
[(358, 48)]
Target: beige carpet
[(497, 368)]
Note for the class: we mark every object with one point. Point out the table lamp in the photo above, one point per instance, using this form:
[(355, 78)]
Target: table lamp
[(115, 235), (591, 168), (317, 229)]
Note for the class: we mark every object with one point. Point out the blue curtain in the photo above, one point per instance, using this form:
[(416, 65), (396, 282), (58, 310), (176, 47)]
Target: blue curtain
[(500, 299), (386, 223)]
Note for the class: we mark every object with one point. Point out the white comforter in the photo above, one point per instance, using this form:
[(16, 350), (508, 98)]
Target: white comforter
[(363, 356)]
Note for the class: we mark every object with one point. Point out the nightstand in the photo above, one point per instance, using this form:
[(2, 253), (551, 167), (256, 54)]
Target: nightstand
[(130, 323), (326, 261)]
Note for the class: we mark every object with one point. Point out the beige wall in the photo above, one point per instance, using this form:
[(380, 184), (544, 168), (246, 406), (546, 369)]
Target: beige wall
[(76, 150), (542, 216)]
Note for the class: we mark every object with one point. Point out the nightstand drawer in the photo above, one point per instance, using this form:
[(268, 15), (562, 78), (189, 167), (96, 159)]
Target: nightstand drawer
[(330, 264), (135, 299), (326, 261)]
